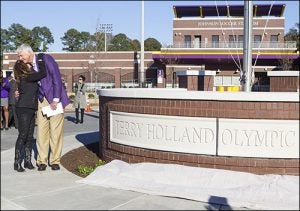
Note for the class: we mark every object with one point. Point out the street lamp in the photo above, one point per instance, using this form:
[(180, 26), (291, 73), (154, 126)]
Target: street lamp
[(105, 28)]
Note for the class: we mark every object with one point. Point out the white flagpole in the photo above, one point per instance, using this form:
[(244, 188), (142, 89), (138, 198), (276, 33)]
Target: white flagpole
[(142, 76), (247, 51)]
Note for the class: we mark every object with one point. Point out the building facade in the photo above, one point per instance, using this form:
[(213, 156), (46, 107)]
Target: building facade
[(205, 38), (211, 38), (101, 69)]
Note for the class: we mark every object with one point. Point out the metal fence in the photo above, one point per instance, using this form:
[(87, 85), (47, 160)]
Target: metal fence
[(134, 83), (193, 44)]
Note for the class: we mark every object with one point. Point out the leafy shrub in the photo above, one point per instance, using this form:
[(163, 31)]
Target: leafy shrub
[(91, 96), (86, 170), (72, 97)]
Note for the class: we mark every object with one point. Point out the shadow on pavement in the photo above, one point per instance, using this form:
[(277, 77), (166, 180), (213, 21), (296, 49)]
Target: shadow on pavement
[(87, 138), (72, 118), (92, 115), (216, 201)]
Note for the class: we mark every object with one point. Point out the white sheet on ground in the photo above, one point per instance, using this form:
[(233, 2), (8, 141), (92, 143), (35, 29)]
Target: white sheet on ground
[(237, 189)]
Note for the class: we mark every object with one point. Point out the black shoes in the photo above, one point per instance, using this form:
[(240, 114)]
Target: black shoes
[(55, 167), (28, 165), (18, 167), (42, 167)]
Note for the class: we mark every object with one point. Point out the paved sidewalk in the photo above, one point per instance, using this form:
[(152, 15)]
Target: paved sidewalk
[(58, 190)]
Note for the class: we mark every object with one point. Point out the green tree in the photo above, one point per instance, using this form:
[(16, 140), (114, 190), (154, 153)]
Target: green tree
[(72, 40), (151, 44), (20, 35), (6, 44), (99, 41), (293, 35), (135, 45), (86, 41), (17, 34), (120, 42), (41, 35)]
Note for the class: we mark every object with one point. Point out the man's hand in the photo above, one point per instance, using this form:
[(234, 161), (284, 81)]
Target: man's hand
[(53, 105)]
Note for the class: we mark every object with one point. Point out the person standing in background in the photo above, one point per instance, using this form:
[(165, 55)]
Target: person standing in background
[(4, 101), (50, 130), (12, 117), (80, 98)]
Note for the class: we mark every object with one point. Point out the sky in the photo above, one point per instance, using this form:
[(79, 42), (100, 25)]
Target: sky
[(125, 16)]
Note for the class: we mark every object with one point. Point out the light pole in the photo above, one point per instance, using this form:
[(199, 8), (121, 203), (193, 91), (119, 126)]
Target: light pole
[(142, 77), (105, 28), (91, 62)]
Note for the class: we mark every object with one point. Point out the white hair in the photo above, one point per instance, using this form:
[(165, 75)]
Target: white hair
[(24, 47)]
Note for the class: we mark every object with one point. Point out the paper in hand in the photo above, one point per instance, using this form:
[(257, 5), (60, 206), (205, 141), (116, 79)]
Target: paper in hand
[(49, 112)]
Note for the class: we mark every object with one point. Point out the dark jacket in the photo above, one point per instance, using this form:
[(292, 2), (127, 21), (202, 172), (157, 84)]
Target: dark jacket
[(29, 89), (12, 90)]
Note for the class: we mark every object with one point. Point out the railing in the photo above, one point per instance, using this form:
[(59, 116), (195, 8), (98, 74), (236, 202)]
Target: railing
[(193, 44), (92, 87), (134, 83)]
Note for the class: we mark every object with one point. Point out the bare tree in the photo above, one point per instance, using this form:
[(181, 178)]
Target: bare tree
[(169, 59), (286, 61)]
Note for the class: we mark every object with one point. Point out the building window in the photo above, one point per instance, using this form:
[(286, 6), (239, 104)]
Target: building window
[(232, 40), (257, 40), (240, 41), (226, 80), (187, 41), (215, 41), (274, 41), (197, 41)]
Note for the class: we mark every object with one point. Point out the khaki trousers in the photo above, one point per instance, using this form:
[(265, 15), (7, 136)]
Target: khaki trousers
[(50, 132)]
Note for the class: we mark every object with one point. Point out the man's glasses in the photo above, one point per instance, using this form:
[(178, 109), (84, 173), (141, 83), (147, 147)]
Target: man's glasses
[(80, 79)]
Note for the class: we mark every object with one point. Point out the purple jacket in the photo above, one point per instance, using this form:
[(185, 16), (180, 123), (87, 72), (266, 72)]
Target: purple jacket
[(5, 88), (52, 85)]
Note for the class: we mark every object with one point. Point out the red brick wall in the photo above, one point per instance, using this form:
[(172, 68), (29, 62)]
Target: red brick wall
[(284, 84), (197, 108), (196, 83)]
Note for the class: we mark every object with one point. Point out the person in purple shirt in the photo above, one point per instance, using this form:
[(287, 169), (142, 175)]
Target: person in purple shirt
[(4, 101), (49, 129)]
